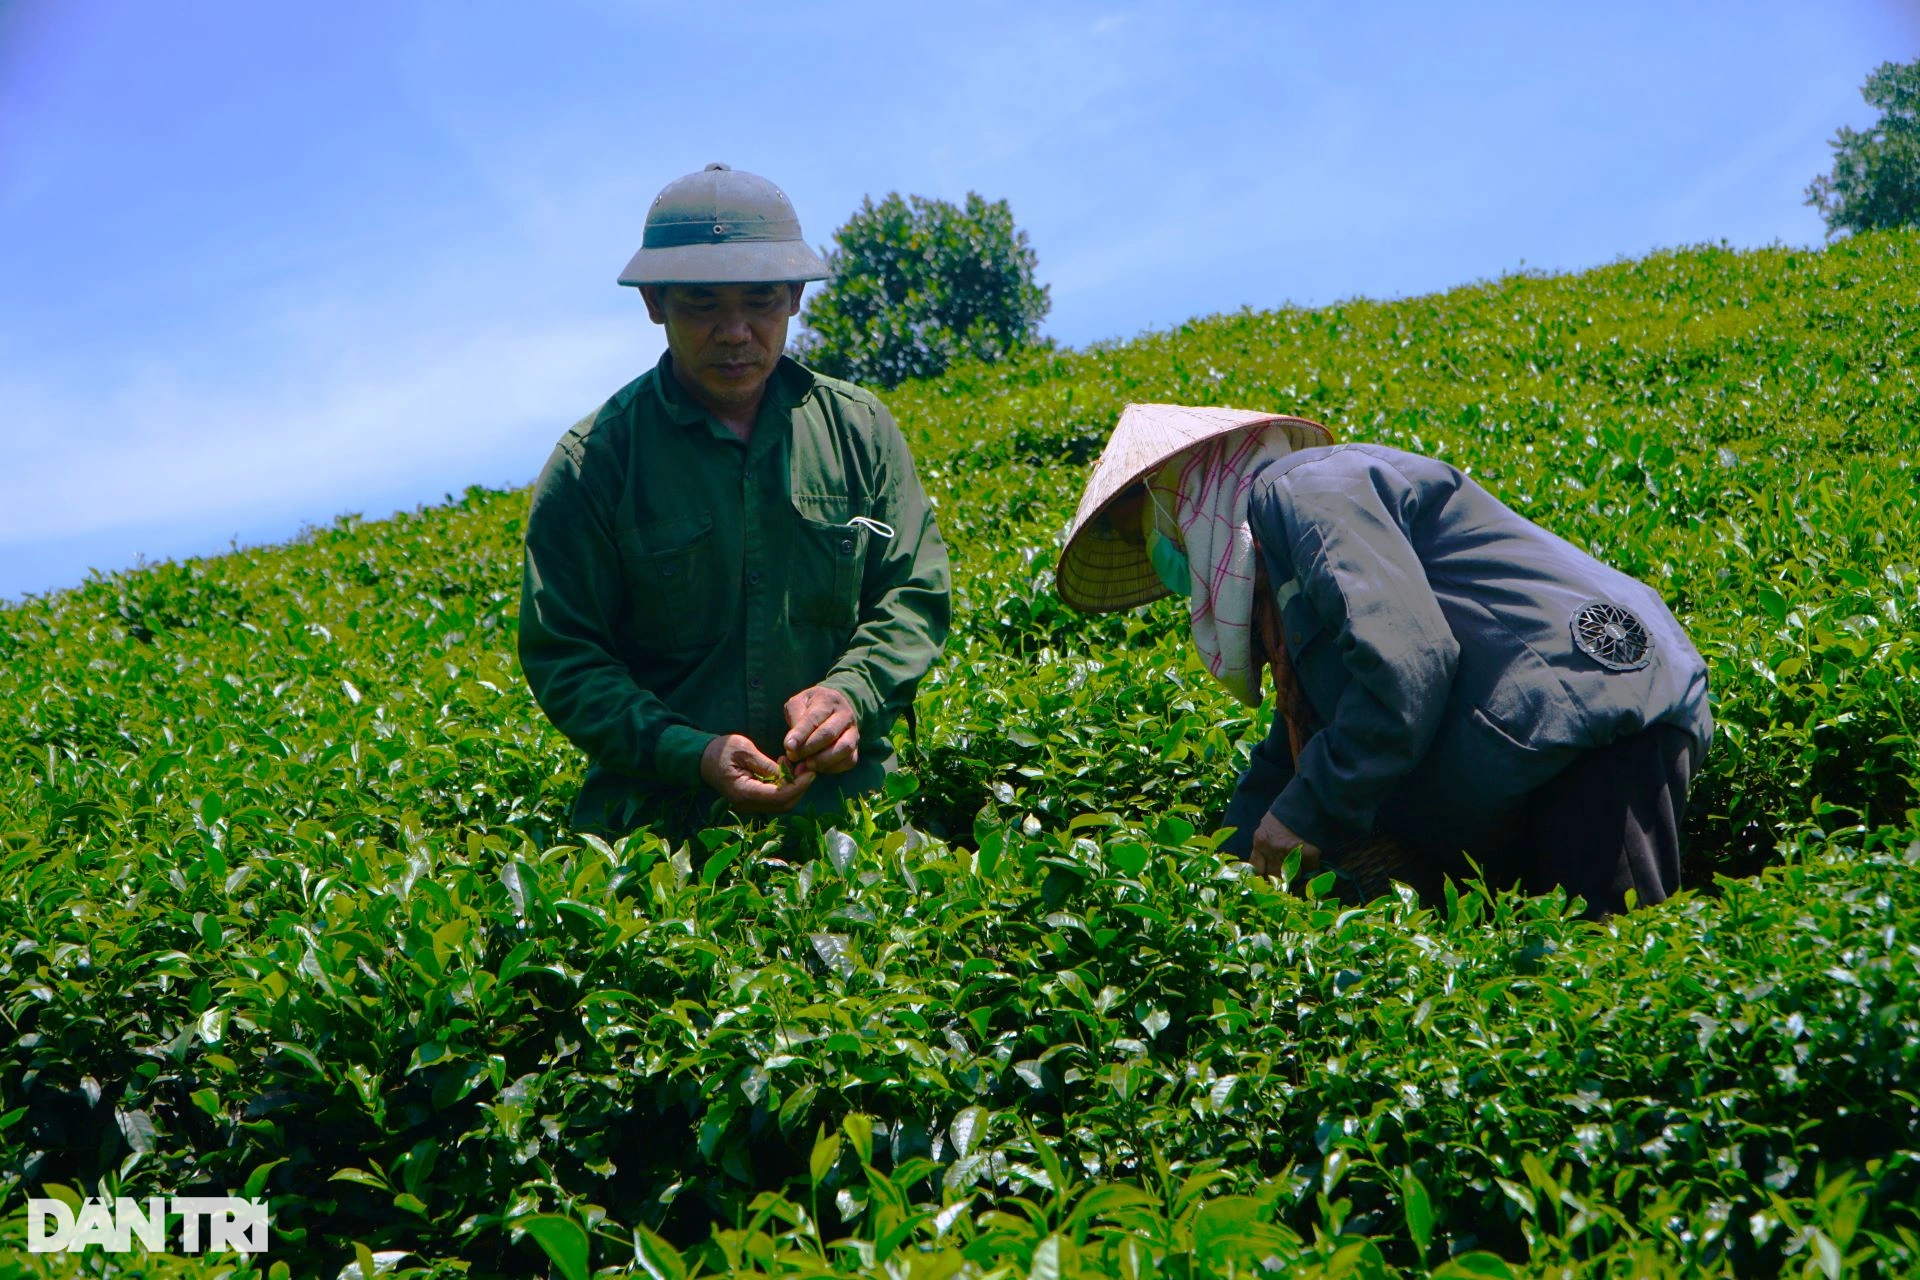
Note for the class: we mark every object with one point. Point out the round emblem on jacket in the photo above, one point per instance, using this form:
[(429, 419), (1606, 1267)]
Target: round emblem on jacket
[(1612, 636)]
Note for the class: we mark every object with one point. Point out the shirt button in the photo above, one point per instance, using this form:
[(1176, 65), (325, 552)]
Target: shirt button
[(753, 577), (753, 682), (846, 546)]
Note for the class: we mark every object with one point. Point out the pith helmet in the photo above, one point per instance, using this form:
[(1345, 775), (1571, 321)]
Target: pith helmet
[(1102, 568), (722, 226)]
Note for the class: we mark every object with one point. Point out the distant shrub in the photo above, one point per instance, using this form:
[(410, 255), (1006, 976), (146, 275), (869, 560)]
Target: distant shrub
[(918, 284), (1875, 183)]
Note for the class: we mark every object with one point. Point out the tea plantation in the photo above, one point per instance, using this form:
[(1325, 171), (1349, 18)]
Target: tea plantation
[(288, 906)]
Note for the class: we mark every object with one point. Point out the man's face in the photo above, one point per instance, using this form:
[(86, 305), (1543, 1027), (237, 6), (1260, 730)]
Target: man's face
[(725, 338)]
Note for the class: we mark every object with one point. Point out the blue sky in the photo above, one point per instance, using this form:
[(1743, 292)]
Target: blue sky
[(263, 264)]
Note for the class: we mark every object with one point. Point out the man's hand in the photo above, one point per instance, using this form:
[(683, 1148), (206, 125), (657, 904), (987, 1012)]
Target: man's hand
[(741, 772), (823, 734), (1273, 841)]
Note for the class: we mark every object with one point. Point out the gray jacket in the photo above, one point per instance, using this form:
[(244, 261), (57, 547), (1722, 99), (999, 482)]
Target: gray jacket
[(1437, 636)]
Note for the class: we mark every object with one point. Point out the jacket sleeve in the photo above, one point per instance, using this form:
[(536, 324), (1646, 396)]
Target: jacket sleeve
[(1346, 517), (1268, 771), (904, 600), (570, 597)]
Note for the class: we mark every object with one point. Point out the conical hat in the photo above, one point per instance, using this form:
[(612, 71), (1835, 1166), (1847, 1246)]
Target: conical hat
[(1100, 570)]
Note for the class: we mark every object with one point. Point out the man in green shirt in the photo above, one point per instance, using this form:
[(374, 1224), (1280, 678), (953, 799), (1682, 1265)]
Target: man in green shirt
[(733, 580)]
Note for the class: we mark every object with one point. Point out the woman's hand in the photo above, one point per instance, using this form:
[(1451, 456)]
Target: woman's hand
[(1273, 841)]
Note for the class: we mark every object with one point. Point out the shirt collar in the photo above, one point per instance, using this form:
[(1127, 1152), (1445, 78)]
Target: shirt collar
[(789, 384)]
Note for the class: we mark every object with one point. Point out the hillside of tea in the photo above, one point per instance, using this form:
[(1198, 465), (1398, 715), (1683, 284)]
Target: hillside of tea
[(289, 907)]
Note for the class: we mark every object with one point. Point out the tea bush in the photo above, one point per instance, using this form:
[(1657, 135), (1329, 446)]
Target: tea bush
[(289, 906)]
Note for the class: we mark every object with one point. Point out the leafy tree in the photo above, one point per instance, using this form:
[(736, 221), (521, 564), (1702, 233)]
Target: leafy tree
[(1876, 175), (918, 284)]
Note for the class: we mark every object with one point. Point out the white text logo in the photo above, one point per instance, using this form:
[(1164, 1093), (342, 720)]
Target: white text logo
[(210, 1223)]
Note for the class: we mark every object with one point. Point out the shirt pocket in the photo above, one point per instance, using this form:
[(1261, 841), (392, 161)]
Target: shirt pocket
[(674, 593), (1503, 733), (829, 561), (1524, 706)]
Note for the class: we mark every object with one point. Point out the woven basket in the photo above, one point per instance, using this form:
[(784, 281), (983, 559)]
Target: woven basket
[(1366, 870)]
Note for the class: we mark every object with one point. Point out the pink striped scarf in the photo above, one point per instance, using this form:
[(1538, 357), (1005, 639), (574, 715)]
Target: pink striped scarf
[(1203, 491)]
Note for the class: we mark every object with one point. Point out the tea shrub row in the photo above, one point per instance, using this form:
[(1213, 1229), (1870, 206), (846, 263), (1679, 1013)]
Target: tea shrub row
[(288, 905)]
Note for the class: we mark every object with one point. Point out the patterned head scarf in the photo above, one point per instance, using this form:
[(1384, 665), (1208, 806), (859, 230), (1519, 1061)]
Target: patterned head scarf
[(1199, 499)]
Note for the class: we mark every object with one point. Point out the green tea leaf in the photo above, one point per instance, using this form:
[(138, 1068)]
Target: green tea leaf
[(1475, 1265), (656, 1257), (826, 1150), (859, 1131), (966, 1128), (1419, 1209), (562, 1239)]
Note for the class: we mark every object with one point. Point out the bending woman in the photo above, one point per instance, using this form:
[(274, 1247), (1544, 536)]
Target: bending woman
[(1450, 678)]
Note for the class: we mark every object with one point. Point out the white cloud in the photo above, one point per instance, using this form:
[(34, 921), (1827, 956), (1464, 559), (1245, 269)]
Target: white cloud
[(301, 437)]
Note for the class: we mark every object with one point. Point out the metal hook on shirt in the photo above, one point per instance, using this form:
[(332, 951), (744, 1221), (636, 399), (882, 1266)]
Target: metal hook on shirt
[(884, 530)]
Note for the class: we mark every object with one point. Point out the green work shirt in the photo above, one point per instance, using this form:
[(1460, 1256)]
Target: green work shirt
[(681, 583)]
